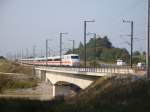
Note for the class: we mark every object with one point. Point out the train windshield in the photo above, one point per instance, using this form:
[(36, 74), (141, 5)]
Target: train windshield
[(74, 57)]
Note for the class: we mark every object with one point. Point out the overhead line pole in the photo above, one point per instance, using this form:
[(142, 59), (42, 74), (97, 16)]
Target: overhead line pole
[(60, 48), (95, 50), (73, 44), (46, 51), (85, 42), (27, 53), (131, 57), (131, 43), (148, 46), (34, 55), (61, 34), (85, 45)]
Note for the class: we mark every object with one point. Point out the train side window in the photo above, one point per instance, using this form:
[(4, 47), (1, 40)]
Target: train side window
[(74, 57), (57, 59)]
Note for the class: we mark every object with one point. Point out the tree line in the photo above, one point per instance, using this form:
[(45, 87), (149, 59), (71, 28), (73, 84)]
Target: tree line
[(105, 51)]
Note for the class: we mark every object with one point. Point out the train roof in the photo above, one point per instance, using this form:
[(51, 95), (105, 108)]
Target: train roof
[(71, 55), (52, 57)]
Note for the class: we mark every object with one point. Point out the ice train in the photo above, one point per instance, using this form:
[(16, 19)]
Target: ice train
[(66, 60)]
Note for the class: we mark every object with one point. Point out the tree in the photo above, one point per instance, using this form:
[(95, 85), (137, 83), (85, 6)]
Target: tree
[(104, 51), (136, 53), (2, 57), (106, 42)]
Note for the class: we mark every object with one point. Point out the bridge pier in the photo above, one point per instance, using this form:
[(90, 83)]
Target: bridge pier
[(54, 94), (53, 87), (43, 75), (38, 73)]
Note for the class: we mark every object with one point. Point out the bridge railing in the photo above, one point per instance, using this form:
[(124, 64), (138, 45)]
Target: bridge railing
[(101, 69), (105, 69)]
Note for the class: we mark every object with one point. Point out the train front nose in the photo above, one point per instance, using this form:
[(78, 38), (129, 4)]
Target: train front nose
[(75, 62)]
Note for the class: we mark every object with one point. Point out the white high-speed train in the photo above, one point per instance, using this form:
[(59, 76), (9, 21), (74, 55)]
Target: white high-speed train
[(66, 60)]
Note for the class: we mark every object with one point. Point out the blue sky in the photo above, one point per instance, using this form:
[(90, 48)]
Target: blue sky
[(24, 23)]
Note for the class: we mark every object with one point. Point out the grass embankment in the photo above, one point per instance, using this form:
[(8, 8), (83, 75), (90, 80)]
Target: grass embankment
[(111, 95), (12, 67), (104, 95), (15, 81), (11, 82)]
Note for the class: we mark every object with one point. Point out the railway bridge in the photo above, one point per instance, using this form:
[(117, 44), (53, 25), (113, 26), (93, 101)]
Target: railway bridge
[(78, 76)]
